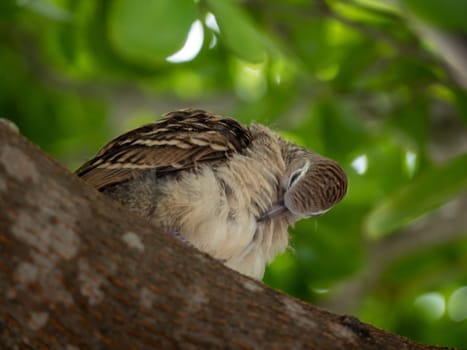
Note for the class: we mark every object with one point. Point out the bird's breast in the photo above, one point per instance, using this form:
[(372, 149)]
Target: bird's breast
[(217, 209)]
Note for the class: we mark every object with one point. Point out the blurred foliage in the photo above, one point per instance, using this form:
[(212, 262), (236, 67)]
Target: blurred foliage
[(349, 79)]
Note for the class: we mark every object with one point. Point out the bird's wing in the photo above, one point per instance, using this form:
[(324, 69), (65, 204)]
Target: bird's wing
[(181, 140)]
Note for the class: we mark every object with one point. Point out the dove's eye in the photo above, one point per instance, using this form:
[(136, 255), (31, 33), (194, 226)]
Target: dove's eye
[(294, 177), (297, 174)]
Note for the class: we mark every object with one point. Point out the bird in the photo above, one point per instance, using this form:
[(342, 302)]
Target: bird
[(227, 189)]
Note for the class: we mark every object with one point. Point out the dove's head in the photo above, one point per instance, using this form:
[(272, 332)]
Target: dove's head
[(313, 184)]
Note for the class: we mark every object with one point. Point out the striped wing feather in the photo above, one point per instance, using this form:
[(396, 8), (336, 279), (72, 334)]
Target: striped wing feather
[(180, 141)]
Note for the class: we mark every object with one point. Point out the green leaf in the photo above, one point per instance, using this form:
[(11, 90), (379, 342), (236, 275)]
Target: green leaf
[(237, 31), (425, 193), (413, 121), (448, 14), (342, 131), (150, 30), (8, 8), (460, 102)]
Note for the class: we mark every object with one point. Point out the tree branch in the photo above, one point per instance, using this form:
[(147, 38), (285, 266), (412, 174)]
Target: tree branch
[(79, 272)]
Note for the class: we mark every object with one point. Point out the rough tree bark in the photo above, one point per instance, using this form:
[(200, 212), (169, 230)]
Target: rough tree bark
[(78, 272)]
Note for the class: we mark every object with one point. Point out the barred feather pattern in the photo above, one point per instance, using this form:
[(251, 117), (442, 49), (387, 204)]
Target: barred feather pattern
[(181, 140), (323, 186), (220, 185)]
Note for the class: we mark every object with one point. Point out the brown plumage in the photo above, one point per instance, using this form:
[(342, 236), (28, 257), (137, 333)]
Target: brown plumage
[(180, 141), (230, 190)]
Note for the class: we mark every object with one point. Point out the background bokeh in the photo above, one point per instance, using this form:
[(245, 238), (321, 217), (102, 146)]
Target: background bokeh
[(378, 85)]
